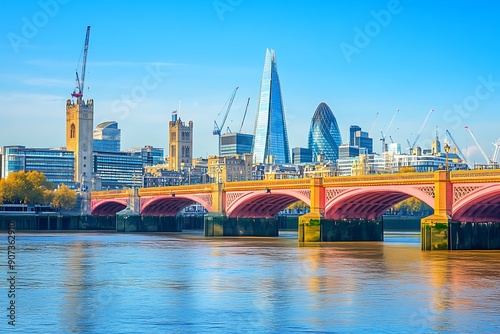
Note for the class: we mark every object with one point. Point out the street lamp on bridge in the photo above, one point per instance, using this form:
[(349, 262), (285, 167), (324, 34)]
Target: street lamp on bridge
[(446, 150)]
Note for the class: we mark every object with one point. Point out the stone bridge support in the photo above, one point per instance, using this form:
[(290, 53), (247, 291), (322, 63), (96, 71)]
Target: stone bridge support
[(310, 223), (435, 229)]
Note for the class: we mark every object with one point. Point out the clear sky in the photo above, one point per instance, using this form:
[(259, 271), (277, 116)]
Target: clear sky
[(360, 57)]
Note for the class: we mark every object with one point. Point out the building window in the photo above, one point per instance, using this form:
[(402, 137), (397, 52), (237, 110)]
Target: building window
[(72, 131)]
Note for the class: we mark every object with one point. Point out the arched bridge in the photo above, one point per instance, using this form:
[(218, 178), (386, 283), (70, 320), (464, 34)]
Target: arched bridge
[(460, 195)]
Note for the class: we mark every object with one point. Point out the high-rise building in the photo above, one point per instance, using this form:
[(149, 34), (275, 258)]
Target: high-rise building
[(362, 140), (57, 165), (180, 148), (352, 133), (301, 155), (234, 143), (116, 170), (107, 137), (79, 138), (324, 134), (270, 135)]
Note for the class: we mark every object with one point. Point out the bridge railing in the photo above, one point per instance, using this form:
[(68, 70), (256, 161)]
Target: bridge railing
[(426, 177), (111, 193), (187, 189), (485, 175), (272, 184)]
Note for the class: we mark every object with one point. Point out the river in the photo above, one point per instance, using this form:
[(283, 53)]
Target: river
[(186, 283)]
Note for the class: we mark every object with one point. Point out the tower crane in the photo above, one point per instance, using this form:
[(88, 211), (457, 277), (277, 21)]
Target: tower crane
[(488, 160), (420, 130), (460, 154), (218, 129), (80, 85), (244, 115), (384, 147), (495, 153)]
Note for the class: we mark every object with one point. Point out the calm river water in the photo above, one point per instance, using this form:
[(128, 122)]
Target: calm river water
[(186, 283)]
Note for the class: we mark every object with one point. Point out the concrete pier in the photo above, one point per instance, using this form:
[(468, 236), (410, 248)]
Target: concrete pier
[(218, 225)]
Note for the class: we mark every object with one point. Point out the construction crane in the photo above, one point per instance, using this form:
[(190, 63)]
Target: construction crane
[(495, 153), (384, 147), (420, 131), (80, 85), (460, 154), (218, 129), (488, 160), (244, 115)]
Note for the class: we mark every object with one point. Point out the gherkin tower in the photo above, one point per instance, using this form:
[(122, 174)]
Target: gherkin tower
[(270, 135), (324, 134)]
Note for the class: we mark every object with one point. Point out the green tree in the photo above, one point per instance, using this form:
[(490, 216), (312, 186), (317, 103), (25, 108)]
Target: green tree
[(64, 198)]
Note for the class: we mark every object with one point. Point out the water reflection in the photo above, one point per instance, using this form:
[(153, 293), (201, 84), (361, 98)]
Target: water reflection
[(187, 283)]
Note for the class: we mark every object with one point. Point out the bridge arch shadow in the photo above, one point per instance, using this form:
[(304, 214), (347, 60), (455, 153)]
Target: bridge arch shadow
[(108, 207), (479, 206), (372, 203), (169, 205), (264, 204)]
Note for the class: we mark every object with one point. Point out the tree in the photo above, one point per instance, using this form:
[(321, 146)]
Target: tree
[(407, 169), (64, 198), (1, 190), (28, 188), (412, 205)]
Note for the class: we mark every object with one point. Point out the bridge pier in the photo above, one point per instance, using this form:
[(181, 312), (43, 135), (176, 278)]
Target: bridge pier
[(219, 225), (434, 229), (313, 228), (434, 233)]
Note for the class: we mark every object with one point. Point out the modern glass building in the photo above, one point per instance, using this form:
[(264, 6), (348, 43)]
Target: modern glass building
[(150, 155), (270, 135), (107, 137), (301, 155), (234, 143), (117, 170), (57, 165), (324, 134)]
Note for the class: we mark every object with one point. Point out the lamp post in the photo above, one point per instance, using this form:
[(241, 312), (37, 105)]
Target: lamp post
[(447, 150)]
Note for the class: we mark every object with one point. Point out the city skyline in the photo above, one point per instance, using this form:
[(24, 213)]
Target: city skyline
[(361, 59)]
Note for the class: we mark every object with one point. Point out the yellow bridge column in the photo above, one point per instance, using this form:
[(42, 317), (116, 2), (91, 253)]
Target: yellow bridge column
[(214, 221), (434, 229), (310, 223)]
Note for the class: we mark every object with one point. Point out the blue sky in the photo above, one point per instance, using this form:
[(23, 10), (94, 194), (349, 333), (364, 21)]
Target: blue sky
[(361, 58)]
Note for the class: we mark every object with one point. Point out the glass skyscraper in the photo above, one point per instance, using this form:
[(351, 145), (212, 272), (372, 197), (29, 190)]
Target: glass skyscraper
[(107, 137), (270, 142), (324, 134)]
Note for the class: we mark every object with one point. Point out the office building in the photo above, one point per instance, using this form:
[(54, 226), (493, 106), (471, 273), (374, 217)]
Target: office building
[(57, 165), (230, 168), (234, 143), (324, 134), (301, 155), (360, 139), (107, 137), (270, 135), (149, 155), (116, 170)]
